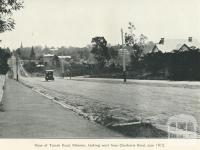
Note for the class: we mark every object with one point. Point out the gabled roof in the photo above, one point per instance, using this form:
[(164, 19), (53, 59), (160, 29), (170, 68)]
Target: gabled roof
[(175, 44)]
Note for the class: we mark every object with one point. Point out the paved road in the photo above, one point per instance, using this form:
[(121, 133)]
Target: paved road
[(155, 101), (183, 84), (26, 114)]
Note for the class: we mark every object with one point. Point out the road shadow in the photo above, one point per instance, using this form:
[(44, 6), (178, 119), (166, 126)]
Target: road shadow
[(140, 131)]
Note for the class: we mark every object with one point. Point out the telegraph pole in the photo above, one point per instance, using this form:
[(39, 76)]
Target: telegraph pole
[(17, 63), (62, 65), (124, 56)]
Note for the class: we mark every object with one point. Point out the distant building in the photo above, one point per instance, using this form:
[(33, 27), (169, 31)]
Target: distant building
[(48, 55), (64, 57), (48, 59), (168, 45), (53, 49)]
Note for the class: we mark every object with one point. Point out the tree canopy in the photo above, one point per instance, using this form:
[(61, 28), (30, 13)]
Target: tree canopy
[(32, 54), (7, 7), (136, 44), (102, 53), (100, 50)]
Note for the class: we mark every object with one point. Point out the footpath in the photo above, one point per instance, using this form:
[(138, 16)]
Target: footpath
[(27, 114)]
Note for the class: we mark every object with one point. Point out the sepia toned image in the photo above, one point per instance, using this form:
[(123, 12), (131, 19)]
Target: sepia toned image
[(109, 69)]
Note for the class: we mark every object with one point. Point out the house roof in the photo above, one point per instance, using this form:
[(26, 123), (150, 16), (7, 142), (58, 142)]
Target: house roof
[(63, 57), (48, 55), (176, 44)]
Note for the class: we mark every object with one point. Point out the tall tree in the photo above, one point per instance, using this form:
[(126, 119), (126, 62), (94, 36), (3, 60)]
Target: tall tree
[(7, 7), (32, 54), (135, 43), (100, 51)]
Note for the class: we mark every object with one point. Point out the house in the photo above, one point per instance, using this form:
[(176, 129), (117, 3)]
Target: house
[(64, 57), (48, 59), (168, 45)]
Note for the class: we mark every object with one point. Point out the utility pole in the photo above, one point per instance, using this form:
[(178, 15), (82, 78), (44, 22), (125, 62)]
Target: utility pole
[(17, 63), (62, 64), (124, 56)]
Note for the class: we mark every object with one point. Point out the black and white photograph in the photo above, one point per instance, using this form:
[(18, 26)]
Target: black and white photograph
[(100, 69)]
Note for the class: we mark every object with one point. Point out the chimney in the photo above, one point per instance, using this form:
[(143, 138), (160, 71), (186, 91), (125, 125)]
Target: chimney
[(162, 41), (189, 39)]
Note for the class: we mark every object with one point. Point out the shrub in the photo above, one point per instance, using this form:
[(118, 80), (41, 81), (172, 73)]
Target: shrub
[(30, 67), (4, 55)]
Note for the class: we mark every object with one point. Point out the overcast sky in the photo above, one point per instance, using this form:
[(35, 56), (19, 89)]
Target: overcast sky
[(75, 22)]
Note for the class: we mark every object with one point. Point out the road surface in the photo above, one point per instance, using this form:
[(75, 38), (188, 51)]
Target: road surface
[(26, 114), (105, 99), (146, 101)]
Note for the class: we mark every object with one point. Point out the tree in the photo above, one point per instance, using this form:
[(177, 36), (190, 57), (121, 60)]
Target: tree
[(136, 44), (30, 67), (113, 52), (56, 61), (7, 7), (4, 55), (32, 54), (18, 52), (100, 51)]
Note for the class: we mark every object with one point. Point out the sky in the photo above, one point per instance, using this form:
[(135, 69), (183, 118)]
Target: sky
[(76, 22)]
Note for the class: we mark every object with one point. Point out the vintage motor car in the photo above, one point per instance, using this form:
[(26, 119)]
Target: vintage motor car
[(49, 75)]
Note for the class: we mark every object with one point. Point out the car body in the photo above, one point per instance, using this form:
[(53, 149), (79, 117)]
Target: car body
[(49, 75)]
